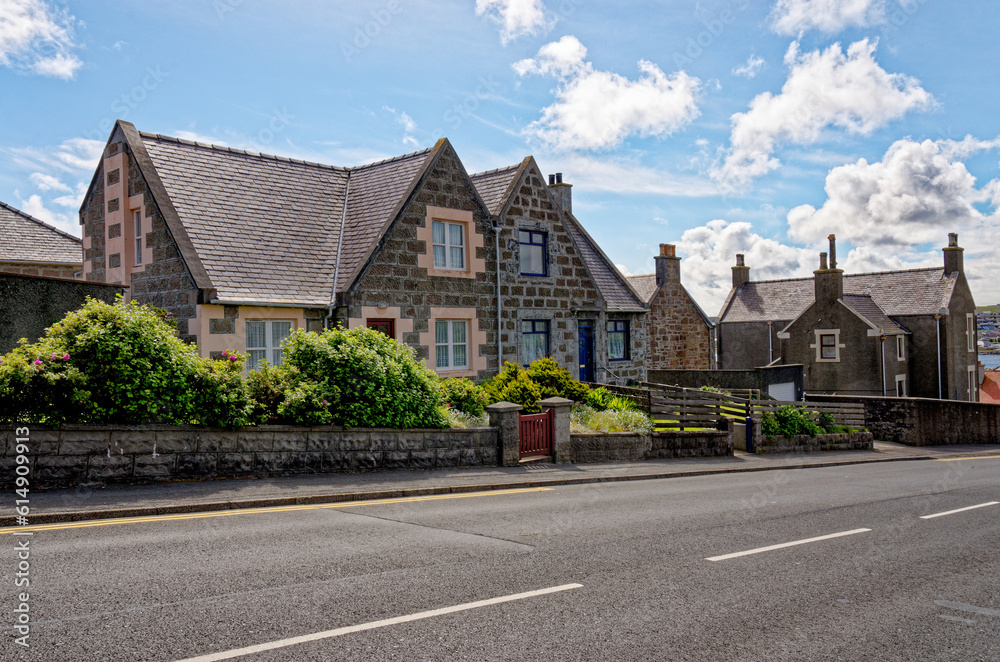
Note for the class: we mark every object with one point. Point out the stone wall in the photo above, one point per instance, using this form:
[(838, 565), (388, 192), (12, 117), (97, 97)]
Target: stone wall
[(634, 447), (927, 422), (65, 271), (677, 335), (31, 304), (78, 455), (853, 441)]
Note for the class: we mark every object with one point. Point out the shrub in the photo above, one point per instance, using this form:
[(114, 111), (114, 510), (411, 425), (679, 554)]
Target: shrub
[(105, 363), (366, 378), (458, 419), (222, 399), (601, 399), (584, 418), (713, 389), (463, 395), (789, 421), (266, 388), (554, 380)]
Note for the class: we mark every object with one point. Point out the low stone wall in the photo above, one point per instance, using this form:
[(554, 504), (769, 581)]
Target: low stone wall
[(633, 447), (925, 421), (78, 455), (851, 441)]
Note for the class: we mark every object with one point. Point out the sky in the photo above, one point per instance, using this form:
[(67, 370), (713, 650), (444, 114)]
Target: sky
[(721, 126)]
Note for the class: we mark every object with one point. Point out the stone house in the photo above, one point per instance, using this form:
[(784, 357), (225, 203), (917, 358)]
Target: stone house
[(30, 247), (560, 295), (241, 248), (897, 333), (680, 336)]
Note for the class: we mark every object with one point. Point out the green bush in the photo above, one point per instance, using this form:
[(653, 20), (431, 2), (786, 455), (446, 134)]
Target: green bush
[(602, 399), (222, 399), (266, 388), (366, 379), (463, 395), (584, 418), (554, 380), (789, 421), (121, 364)]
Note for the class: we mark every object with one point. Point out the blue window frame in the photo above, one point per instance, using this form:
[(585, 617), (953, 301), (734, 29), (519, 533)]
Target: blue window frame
[(618, 345), (533, 253), (534, 340)]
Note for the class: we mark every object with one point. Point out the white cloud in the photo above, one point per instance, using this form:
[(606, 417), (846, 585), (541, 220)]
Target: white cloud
[(828, 88), (203, 138), (599, 109), (47, 182), (623, 175), (624, 270), (751, 68), (37, 38), (794, 17), (710, 252), (34, 206), (408, 124), (516, 18)]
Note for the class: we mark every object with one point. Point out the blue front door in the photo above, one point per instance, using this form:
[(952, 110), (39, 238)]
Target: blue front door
[(586, 341)]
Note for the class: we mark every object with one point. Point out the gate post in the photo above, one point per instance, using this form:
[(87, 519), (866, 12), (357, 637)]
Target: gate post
[(504, 416), (561, 450)]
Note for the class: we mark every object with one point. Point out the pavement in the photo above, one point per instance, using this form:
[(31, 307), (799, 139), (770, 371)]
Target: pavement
[(187, 496)]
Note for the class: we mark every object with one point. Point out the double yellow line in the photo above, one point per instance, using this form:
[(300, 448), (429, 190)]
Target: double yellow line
[(256, 511)]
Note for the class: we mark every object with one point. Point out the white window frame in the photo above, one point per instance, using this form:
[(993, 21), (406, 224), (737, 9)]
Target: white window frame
[(448, 347), (137, 234), (900, 348), (818, 345), (970, 330), (448, 245), (271, 348), (901, 380), (973, 383)]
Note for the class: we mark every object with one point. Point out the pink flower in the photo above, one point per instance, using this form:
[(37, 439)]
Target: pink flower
[(232, 357), (38, 362), (323, 403), (54, 357), (65, 357)]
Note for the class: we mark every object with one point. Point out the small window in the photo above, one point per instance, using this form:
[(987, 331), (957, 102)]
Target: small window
[(970, 330), (618, 344), (900, 386), (973, 384), (386, 326), (264, 338), (900, 348), (534, 340), (451, 344), (137, 233), (449, 245), (533, 254), (828, 346)]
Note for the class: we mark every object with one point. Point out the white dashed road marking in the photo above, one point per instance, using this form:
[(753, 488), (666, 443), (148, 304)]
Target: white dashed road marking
[(960, 510), (785, 544)]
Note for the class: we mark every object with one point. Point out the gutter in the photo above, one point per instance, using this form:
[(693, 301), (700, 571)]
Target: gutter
[(340, 245)]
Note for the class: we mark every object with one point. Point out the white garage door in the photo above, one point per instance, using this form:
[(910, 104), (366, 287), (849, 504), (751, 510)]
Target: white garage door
[(784, 392)]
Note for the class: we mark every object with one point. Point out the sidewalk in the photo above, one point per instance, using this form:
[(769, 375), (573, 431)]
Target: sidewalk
[(84, 503)]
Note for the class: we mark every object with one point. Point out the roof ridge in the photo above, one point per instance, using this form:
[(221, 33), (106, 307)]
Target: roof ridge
[(39, 221), (426, 150), (495, 170), (856, 275), (639, 275)]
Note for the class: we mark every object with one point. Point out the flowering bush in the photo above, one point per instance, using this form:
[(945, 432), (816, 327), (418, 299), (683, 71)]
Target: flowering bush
[(463, 395)]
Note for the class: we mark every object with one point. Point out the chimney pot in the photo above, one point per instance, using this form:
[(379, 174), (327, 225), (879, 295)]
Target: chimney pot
[(953, 239), (559, 178), (833, 251), (822, 262), (552, 180), (739, 260), (741, 273), (668, 250)]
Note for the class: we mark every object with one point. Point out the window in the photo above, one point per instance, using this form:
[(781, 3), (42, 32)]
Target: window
[(137, 233), (618, 340), (449, 245), (534, 340), (264, 339), (533, 254), (386, 326), (900, 386), (970, 330), (451, 344), (973, 384), (827, 345), (900, 348)]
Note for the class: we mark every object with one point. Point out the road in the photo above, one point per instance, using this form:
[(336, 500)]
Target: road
[(893, 586)]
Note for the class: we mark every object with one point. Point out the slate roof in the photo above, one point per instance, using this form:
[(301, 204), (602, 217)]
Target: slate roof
[(644, 286), (494, 186), (864, 306), (266, 228), (24, 238), (618, 295), (897, 293)]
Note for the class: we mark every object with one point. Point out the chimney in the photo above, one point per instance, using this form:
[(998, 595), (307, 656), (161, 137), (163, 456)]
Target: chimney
[(953, 259), (741, 273), (829, 280), (668, 265), (563, 193)]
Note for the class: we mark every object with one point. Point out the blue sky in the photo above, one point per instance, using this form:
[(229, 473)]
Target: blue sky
[(722, 126)]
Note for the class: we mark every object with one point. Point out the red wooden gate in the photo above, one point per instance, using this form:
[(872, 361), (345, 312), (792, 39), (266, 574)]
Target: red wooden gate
[(536, 432)]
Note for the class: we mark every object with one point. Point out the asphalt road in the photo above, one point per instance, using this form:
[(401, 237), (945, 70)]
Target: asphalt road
[(906, 588)]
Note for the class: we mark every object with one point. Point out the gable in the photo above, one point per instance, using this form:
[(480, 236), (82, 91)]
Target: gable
[(27, 239)]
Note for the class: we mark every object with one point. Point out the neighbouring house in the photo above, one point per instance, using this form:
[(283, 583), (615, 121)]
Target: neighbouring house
[(241, 248), (679, 333), (31, 247), (898, 333), (560, 294)]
